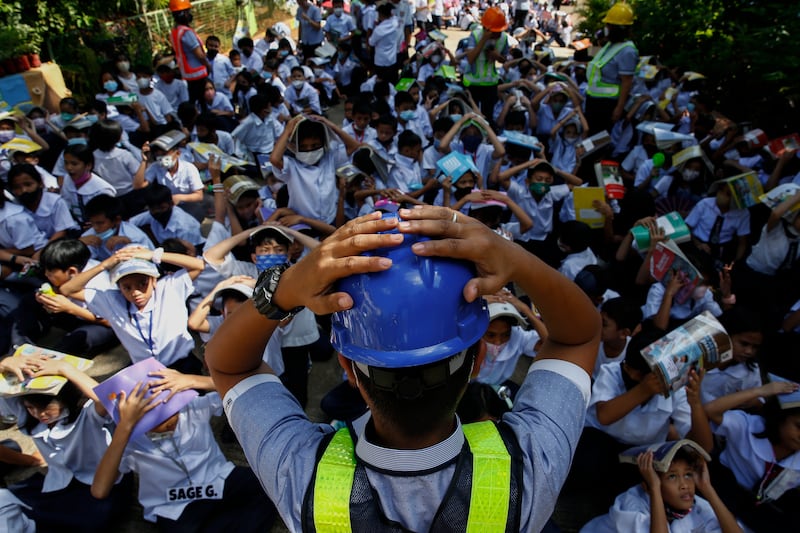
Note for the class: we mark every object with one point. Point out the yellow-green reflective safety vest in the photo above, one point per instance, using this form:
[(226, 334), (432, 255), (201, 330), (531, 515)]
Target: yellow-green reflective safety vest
[(489, 496), (484, 71), (594, 72)]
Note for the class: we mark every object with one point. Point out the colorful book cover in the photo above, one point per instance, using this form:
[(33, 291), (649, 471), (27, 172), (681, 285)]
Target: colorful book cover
[(11, 386), (780, 193), (746, 189), (204, 150), (520, 139), (404, 84), (700, 343), (448, 72), (674, 228), (126, 99), (454, 165), (584, 210), (668, 260), (777, 147), (594, 143), (126, 380), (609, 177)]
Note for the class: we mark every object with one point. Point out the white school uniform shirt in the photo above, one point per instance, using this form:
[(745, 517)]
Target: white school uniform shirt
[(701, 219), (546, 119), (563, 154), (292, 97), (222, 71), (340, 25), (181, 225), (157, 105), (720, 382), (302, 330), (602, 358), (645, 424), (405, 175), (52, 215), (367, 136), (574, 263), (220, 103), (312, 188), (254, 63), (117, 167), (495, 371), (18, 229), (747, 456), (343, 72), (126, 229), (384, 41), (48, 180), (429, 158), (77, 198), (634, 159), (100, 282), (412, 125), (272, 353), (72, 450), (660, 184), (387, 153), (688, 309), (256, 135), (11, 516), (159, 330), (631, 514), (159, 463), (768, 255), (369, 17), (185, 180), (176, 92), (541, 212)]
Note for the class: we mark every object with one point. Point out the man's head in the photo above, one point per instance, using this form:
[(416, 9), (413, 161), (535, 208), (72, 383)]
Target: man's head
[(411, 381), (270, 246)]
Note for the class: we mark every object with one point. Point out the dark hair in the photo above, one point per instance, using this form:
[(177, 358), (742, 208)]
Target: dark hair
[(625, 312), (442, 124), (69, 395), (265, 236), (207, 120), (576, 234), (103, 204), (258, 103), (105, 135), (272, 93), (515, 118), (63, 254), (244, 41), (235, 53), (309, 129), (408, 139), (388, 120), (284, 43), (593, 280), (157, 194), (213, 38), (143, 69), (420, 415), (516, 151), (362, 159), (740, 319), (299, 69), (231, 294), (99, 106), (164, 68), (690, 455), (403, 97), (23, 168), (774, 417), (633, 352), (187, 113), (361, 107), (70, 102), (81, 152), (479, 401)]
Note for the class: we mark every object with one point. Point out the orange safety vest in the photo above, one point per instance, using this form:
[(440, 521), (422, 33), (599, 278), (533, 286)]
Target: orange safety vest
[(188, 72)]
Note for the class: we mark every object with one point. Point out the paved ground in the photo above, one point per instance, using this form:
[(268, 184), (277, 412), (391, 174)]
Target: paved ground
[(323, 377)]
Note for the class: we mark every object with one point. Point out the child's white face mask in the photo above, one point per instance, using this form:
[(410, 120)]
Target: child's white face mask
[(310, 158), (493, 350)]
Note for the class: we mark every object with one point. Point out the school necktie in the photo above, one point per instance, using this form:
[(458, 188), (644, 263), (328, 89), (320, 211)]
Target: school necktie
[(716, 230), (771, 472)]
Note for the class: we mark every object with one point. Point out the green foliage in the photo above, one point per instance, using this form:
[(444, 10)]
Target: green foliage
[(747, 49)]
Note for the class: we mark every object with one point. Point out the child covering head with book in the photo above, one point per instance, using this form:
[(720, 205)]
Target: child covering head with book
[(667, 500)]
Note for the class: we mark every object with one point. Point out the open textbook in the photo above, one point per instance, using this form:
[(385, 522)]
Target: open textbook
[(11, 386), (663, 453), (667, 261), (786, 401), (701, 342)]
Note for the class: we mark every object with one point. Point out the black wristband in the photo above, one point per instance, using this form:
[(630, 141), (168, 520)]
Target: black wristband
[(13, 259)]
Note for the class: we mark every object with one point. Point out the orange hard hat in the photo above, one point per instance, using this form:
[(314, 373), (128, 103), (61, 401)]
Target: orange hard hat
[(494, 20), (179, 5)]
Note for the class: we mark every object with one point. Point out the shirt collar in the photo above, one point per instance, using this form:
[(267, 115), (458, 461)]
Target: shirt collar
[(407, 461)]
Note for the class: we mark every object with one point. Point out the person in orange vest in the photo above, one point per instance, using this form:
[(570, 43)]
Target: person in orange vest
[(189, 52)]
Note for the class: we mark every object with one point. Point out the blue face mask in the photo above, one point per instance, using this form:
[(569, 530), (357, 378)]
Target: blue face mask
[(471, 142), (92, 118), (455, 116), (66, 117), (690, 107), (436, 143), (77, 140), (110, 86), (106, 234), (408, 114), (266, 261)]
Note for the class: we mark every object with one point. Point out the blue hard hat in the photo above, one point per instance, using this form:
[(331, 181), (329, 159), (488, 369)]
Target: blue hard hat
[(412, 314)]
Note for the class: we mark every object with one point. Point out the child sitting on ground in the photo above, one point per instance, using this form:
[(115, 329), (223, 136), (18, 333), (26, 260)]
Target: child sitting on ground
[(667, 500), (621, 319)]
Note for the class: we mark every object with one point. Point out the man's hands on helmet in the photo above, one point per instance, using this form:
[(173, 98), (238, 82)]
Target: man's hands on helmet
[(462, 237), (310, 282)]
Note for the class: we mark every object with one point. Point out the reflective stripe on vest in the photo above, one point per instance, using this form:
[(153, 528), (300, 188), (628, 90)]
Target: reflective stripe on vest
[(188, 72), (484, 71), (594, 75), (489, 497)]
